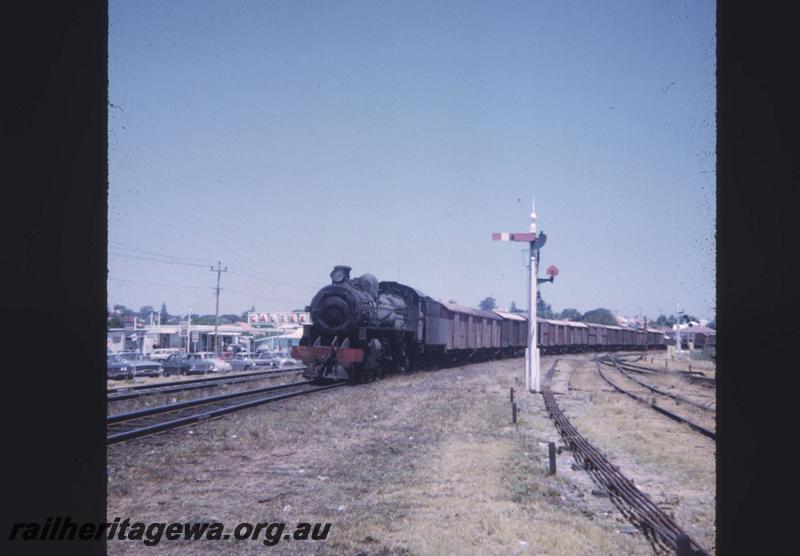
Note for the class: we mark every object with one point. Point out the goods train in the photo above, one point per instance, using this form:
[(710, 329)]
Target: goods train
[(362, 328)]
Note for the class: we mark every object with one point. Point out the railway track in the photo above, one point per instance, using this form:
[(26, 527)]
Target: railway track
[(677, 398), (143, 422), (674, 416), (126, 393), (660, 529), (691, 376)]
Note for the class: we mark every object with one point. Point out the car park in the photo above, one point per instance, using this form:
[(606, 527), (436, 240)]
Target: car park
[(127, 365)]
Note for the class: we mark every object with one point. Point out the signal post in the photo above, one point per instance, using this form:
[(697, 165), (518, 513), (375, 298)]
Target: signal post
[(535, 242)]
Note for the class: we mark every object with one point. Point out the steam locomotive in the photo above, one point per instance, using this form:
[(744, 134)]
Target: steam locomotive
[(362, 329)]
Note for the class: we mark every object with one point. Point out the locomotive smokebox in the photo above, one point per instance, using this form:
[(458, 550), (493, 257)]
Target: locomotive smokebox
[(344, 304)]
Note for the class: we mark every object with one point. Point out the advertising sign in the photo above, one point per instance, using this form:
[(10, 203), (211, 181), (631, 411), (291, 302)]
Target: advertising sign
[(184, 329), (195, 336), (130, 324), (266, 319)]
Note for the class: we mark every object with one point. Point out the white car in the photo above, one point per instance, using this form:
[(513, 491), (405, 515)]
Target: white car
[(220, 365), (161, 354)]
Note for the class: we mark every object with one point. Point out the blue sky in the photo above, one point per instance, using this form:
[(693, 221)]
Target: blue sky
[(283, 138)]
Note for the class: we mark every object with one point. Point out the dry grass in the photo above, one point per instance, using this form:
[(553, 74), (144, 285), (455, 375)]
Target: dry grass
[(420, 464), (674, 465)]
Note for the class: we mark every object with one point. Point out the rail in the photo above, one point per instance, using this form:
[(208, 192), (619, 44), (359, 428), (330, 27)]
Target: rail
[(143, 422), (619, 366), (659, 528), (118, 394), (674, 416)]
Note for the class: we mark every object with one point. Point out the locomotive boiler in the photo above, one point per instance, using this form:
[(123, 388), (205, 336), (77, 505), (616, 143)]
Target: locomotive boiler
[(360, 328)]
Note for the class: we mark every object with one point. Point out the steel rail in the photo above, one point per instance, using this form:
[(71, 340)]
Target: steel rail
[(166, 408), (674, 416), (182, 420), (691, 376), (652, 388), (659, 528), (203, 379), (181, 386)]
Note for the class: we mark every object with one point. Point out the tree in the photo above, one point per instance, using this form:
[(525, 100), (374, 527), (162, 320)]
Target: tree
[(115, 321), (252, 309), (664, 321), (164, 313), (514, 309), (688, 318), (145, 311), (543, 309), (599, 316), (712, 324), (570, 314), (453, 302), (488, 304), (230, 318)]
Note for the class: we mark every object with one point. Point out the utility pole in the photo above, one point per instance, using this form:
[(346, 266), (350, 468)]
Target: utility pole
[(219, 270)]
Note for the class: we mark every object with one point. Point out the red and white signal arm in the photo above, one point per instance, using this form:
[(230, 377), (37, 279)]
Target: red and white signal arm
[(552, 270)]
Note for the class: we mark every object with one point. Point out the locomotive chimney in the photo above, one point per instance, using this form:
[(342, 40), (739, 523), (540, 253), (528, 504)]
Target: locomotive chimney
[(340, 274)]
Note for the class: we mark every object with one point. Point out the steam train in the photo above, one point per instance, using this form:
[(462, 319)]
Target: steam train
[(362, 329)]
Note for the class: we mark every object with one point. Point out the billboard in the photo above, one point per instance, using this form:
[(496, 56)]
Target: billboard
[(276, 319)]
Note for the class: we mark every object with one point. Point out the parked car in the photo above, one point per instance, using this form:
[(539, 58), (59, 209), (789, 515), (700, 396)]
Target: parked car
[(161, 354), (183, 364), (286, 361), (246, 360), (218, 364), (129, 364)]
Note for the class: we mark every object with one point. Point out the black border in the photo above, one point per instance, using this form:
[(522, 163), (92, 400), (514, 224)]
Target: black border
[(54, 248), (54, 126), (756, 278)]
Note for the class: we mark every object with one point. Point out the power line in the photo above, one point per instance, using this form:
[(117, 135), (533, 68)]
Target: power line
[(251, 295), (154, 260), (140, 250), (159, 283), (242, 271)]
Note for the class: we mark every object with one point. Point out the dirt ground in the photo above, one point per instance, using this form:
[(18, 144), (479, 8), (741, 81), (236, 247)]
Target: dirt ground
[(426, 463)]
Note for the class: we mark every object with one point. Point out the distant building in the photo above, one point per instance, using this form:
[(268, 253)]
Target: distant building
[(169, 336), (693, 336)]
